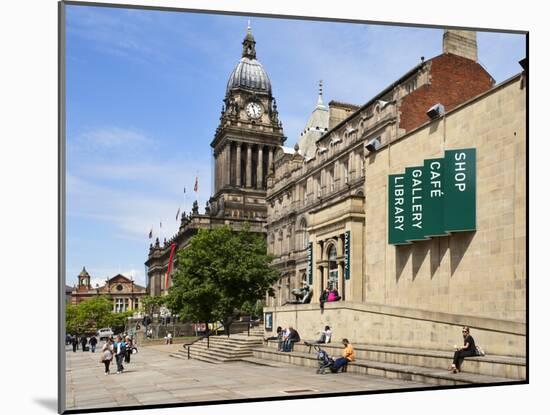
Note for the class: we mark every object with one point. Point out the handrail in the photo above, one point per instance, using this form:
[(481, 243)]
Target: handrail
[(207, 335)]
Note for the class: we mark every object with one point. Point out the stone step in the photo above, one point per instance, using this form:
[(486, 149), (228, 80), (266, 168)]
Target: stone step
[(235, 338), (207, 359), (261, 362), (388, 370), (221, 347), (211, 357), (219, 351), (219, 356), (490, 365)]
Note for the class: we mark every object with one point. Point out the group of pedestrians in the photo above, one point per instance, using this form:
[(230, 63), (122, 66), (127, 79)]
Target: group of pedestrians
[(120, 350), (83, 341)]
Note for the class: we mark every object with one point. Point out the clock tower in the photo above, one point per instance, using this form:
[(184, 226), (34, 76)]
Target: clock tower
[(245, 140)]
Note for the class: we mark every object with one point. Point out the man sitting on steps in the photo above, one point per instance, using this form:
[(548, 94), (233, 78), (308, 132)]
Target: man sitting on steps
[(293, 337), (348, 355)]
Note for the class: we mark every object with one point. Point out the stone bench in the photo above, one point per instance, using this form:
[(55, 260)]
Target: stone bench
[(490, 365)]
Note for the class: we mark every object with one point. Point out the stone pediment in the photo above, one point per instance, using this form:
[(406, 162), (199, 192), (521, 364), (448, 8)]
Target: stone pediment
[(120, 279)]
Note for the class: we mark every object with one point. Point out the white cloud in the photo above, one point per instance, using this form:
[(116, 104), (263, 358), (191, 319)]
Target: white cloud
[(113, 137)]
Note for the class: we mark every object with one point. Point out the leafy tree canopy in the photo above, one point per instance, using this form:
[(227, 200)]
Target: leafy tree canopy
[(221, 272), (92, 314), (151, 304)]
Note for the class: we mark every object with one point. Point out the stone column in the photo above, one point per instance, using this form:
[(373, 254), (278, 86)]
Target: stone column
[(227, 169), (318, 284), (260, 168), (238, 165), (269, 159), (248, 165), (222, 167), (341, 289), (338, 179), (216, 173), (341, 245)]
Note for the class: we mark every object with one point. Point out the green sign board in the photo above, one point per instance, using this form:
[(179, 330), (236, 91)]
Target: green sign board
[(434, 219), (310, 263), (397, 210), (347, 250), (414, 203), (460, 190), (434, 199)]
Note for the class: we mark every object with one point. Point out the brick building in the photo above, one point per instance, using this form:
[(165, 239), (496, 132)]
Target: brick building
[(125, 293)]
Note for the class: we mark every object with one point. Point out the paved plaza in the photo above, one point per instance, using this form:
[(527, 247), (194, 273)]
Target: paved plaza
[(153, 377)]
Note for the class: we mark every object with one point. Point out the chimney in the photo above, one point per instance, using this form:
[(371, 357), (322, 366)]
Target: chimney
[(460, 42)]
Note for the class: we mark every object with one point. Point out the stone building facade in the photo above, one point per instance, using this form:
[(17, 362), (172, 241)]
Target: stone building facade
[(419, 295), (328, 214), (125, 293), (316, 192), (244, 142)]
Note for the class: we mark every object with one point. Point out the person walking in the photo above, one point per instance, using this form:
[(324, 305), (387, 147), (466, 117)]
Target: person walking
[(469, 349), (348, 355), (107, 355), (74, 341), (120, 351), (128, 352), (93, 343), (83, 342)]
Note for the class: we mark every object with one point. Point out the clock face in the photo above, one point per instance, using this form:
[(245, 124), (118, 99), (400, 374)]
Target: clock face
[(254, 110)]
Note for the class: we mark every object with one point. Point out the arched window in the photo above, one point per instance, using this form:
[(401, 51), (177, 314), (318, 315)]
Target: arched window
[(304, 236), (332, 268)]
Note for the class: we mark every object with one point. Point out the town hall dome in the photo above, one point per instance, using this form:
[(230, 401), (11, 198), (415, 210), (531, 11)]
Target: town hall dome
[(249, 72)]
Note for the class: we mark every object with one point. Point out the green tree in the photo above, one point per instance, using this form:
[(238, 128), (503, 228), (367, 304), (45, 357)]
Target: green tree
[(92, 314), (152, 304), (221, 272)]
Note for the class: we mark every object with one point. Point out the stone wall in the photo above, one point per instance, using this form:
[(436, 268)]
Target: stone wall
[(381, 325), (481, 273)]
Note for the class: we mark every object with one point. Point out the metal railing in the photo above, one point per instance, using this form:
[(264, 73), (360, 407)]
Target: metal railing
[(206, 335)]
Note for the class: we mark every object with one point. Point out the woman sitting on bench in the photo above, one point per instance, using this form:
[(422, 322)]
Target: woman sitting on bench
[(469, 349)]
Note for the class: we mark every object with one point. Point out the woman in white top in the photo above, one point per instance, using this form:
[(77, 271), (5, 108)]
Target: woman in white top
[(325, 336), (107, 355)]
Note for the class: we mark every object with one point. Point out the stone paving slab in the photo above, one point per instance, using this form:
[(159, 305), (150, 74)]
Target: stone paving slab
[(153, 377)]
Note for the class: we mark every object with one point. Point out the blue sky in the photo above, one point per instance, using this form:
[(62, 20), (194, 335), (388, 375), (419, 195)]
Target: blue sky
[(144, 94)]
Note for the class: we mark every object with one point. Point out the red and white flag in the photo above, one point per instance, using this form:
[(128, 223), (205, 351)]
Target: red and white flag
[(170, 260)]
